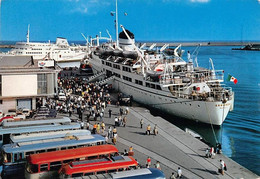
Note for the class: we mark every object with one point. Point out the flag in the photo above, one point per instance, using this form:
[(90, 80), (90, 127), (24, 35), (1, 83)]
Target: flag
[(232, 78)]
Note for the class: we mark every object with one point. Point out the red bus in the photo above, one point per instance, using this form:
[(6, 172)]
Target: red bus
[(98, 166), (46, 165)]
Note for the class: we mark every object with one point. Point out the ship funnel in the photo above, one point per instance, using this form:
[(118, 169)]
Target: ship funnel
[(124, 42)]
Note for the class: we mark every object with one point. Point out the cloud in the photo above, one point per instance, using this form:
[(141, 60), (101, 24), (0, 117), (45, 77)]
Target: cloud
[(201, 1), (87, 6)]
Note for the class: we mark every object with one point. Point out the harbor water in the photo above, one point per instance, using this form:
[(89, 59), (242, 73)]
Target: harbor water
[(240, 132)]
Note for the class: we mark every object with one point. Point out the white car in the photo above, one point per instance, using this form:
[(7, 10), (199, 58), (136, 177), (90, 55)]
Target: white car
[(27, 112), (62, 97)]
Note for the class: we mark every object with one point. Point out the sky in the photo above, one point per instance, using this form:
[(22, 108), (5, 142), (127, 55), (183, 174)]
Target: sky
[(149, 20)]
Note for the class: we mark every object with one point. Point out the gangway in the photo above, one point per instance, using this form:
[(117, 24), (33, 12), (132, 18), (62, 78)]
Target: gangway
[(94, 77), (106, 80)]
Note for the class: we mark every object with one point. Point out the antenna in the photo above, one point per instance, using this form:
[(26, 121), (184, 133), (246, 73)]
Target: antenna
[(28, 34)]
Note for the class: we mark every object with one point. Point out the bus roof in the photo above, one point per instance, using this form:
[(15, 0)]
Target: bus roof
[(42, 128), (71, 154), (51, 143), (151, 173), (33, 122), (127, 162), (48, 135)]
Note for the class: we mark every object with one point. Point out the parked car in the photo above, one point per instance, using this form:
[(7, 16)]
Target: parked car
[(27, 113), (62, 97)]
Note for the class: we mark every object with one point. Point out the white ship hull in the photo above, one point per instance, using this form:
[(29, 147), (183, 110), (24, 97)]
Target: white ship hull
[(200, 111)]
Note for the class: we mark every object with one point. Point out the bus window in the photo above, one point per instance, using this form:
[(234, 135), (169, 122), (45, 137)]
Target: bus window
[(67, 161), (49, 150), (1, 137), (7, 157), (15, 157), (121, 169), (101, 172), (88, 174), (55, 165), (29, 153), (32, 168), (20, 156), (44, 167), (111, 171), (92, 157), (76, 175), (63, 148)]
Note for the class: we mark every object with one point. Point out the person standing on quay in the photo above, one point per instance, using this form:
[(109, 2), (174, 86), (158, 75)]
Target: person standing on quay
[(110, 113), (148, 129), (172, 176), (157, 165), (148, 162), (141, 123), (124, 121), (179, 173)]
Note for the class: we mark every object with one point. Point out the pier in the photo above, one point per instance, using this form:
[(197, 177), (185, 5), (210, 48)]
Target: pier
[(172, 147)]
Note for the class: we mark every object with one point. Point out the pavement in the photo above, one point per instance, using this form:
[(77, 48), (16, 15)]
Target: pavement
[(172, 147)]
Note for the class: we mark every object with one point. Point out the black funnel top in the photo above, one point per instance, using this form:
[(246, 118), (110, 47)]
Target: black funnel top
[(123, 36)]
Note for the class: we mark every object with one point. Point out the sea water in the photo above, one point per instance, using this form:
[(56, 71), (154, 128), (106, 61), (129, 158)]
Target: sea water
[(240, 132)]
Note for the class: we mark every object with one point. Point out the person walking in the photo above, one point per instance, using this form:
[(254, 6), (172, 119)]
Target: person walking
[(148, 129), (124, 121), (155, 130), (98, 128), (172, 176), (131, 152), (109, 132), (141, 123), (109, 113), (222, 167), (148, 162), (157, 165), (114, 131), (103, 127), (94, 128), (114, 139), (116, 121), (179, 172)]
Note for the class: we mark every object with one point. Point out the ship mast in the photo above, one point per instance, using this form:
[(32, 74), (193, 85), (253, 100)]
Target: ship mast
[(116, 26), (28, 34)]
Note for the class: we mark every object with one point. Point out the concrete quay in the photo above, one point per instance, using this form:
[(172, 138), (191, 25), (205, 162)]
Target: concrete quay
[(173, 147)]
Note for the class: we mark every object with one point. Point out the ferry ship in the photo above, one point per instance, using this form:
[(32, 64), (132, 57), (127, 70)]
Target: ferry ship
[(60, 51), (164, 80)]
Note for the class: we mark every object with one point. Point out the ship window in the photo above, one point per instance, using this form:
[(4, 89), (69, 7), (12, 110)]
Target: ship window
[(147, 84), (158, 87)]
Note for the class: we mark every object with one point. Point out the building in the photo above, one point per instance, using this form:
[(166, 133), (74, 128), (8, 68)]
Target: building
[(25, 81)]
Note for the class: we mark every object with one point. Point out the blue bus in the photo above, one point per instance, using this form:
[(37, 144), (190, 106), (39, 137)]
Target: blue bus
[(48, 135), (34, 122), (147, 173), (5, 133), (14, 155)]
